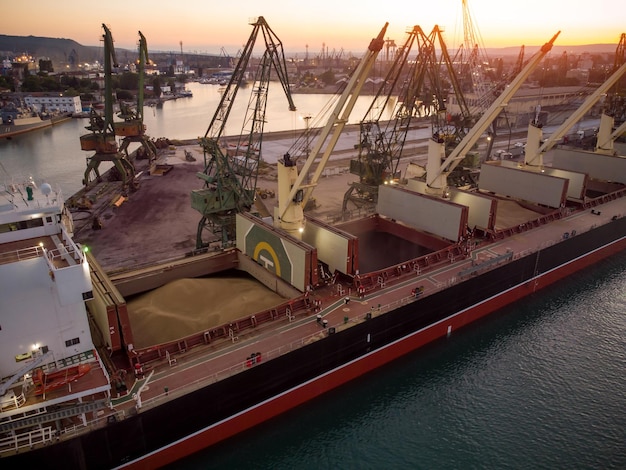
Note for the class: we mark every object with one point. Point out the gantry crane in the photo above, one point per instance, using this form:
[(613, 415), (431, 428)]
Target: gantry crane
[(439, 166), (102, 136), (293, 192), (132, 127), (230, 174)]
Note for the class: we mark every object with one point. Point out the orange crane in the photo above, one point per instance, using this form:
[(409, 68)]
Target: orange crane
[(102, 136)]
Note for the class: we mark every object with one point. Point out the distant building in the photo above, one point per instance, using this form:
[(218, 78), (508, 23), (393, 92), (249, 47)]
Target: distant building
[(53, 103)]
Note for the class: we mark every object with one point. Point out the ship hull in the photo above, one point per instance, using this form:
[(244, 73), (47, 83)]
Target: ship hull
[(178, 428)]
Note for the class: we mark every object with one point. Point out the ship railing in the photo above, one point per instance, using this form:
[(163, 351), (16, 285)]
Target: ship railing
[(26, 440), (397, 271), (66, 252), (18, 196), (21, 255), (214, 377)]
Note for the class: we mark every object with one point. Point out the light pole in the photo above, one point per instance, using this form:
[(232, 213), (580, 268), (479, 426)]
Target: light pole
[(307, 119)]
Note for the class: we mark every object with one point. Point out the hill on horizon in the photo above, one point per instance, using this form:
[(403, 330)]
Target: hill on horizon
[(59, 50)]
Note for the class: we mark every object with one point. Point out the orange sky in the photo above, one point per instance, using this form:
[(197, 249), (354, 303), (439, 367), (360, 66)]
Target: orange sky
[(208, 26)]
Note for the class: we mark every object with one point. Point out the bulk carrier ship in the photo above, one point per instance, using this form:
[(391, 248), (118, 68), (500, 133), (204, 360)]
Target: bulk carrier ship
[(358, 295)]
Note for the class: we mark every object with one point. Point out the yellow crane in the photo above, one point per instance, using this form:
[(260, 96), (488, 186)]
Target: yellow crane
[(439, 166), (293, 192)]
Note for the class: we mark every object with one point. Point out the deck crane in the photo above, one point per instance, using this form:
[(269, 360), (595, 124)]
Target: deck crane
[(132, 128), (293, 192), (535, 149), (439, 166), (230, 175), (614, 112), (102, 136)]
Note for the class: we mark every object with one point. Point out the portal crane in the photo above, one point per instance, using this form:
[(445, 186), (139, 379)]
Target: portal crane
[(380, 147), (452, 129), (293, 192), (132, 128), (102, 137), (439, 166), (475, 60), (230, 174), (614, 109)]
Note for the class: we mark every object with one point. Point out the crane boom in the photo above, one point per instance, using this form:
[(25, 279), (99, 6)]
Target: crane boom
[(103, 131), (380, 145), (436, 177), (578, 114), (293, 193)]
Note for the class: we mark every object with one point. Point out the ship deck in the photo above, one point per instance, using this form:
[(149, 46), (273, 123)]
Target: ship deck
[(180, 373), (59, 253), (154, 235)]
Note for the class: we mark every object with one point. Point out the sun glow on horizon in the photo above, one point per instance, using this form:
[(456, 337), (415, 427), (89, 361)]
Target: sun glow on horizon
[(338, 26)]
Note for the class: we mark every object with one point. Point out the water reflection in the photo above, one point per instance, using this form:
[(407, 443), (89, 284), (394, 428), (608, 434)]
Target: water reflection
[(54, 153)]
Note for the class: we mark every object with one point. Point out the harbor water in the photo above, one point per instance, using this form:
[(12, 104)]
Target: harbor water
[(537, 385), (54, 155), (540, 384)]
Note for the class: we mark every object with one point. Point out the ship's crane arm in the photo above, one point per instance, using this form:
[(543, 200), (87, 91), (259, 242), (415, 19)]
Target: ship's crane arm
[(437, 179), (578, 114), (110, 61), (293, 194)]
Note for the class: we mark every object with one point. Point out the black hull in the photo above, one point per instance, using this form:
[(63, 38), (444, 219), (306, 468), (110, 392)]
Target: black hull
[(158, 427)]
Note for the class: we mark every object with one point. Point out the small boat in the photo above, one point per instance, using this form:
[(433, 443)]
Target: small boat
[(46, 382)]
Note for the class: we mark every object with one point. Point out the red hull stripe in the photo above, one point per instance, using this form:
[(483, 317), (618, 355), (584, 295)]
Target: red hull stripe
[(311, 389)]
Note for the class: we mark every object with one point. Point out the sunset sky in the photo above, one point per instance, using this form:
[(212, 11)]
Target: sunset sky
[(208, 26)]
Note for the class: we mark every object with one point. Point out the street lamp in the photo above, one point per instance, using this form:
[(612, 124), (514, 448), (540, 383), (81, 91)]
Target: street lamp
[(307, 119)]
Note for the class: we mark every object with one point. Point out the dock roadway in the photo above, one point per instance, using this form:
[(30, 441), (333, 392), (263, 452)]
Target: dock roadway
[(157, 223)]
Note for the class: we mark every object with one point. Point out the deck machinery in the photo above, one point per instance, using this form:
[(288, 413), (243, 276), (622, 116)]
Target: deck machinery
[(230, 172)]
